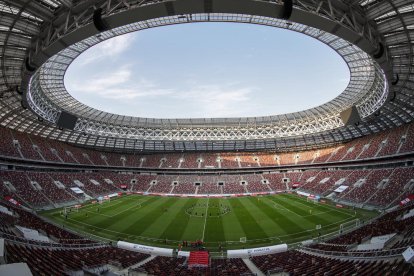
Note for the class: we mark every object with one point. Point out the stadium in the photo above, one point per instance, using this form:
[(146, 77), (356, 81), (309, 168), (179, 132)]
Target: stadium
[(325, 190)]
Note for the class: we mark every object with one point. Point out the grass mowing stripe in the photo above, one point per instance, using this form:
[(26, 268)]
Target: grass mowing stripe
[(109, 222), (136, 223), (284, 222), (304, 202), (258, 219), (215, 230), (175, 229), (205, 220), (329, 213), (268, 225), (156, 229), (252, 229), (312, 219), (195, 224), (232, 228)]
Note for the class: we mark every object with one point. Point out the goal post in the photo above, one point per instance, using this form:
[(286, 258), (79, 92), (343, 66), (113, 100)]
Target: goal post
[(103, 199), (313, 198), (349, 225), (71, 209)]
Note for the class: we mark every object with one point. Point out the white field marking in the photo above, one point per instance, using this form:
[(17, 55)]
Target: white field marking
[(107, 205), (62, 215), (291, 234), (277, 206), (75, 222), (146, 238), (324, 206), (205, 220), (136, 204)]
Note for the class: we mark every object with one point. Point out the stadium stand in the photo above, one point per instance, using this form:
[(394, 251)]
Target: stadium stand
[(383, 144), (298, 263), (177, 266), (70, 260)]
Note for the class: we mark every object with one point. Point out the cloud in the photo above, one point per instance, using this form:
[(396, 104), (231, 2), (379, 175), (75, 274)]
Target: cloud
[(110, 48), (119, 85), (222, 101)]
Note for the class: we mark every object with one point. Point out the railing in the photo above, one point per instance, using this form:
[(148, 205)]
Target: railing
[(20, 240), (395, 252)]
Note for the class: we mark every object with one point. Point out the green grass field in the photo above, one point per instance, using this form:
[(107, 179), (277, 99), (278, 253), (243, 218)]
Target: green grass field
[(282, 218)]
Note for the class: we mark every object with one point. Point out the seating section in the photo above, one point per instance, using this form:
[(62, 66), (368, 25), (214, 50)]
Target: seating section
[(209, 185), (186, 184), (388, 143), (299, 263), (232, 184), (49, 188), (254, 184), (361, 192), (387, 224), (165, 266), (376, 187), (30, 220), (395, 189), (51, 261), (69, 253), (21, 187), (164, 184)]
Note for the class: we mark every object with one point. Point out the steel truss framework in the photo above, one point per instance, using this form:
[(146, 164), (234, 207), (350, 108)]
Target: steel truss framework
[(42, 28), (367, 89)]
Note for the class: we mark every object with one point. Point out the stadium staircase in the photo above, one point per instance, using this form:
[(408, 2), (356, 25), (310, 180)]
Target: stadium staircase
[(253, 268), (172, 189), (141, 263), (198, 259)]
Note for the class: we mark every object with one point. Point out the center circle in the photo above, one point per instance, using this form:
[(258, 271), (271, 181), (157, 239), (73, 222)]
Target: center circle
[(211, 210), (207, 70)]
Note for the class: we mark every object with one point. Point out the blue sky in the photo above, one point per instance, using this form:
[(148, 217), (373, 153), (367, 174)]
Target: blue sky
[(207, 70)]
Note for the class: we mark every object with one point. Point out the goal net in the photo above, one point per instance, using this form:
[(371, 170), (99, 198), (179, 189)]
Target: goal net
[(103, 199), (71, 209), (349, 225), (313, 199)]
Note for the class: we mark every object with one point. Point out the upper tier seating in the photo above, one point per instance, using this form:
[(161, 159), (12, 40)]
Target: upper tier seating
[(388, 143)]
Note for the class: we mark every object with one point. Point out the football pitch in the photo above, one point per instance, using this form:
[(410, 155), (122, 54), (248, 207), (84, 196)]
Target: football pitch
[(239, 222)]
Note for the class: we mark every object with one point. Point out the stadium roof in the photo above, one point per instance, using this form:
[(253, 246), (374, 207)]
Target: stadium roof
[(39, 39)]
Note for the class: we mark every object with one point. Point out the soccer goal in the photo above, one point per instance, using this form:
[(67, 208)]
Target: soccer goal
[(314, 200), (71, 209), (103, 199), (349, 225)]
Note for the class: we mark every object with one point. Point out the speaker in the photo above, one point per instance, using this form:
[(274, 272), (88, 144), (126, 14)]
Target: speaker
[(100, 24), (350, 116), (29, 66), (287, 9), (208, 6), (380, 51), (396, 79), (67, 120)]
